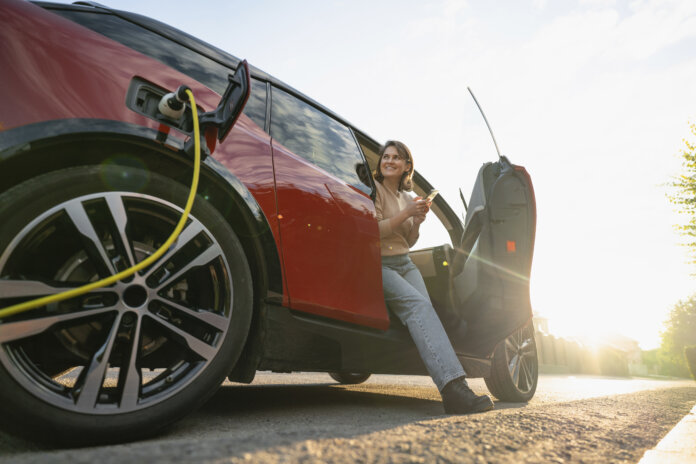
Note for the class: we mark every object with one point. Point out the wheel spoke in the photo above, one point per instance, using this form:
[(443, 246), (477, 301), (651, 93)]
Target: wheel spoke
[(519, 339), (521, 378), (186, 235), (91, 379), (523, 384), (212, 319), (529, 350), (132, 377), (530, 374), (118, 213), (510, 345), (76, 211), (31, 288), (514, 368), (12, 331), (202, 259), (199, 347)]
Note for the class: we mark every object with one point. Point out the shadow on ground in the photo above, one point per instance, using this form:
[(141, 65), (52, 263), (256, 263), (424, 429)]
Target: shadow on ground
[(242, 419)]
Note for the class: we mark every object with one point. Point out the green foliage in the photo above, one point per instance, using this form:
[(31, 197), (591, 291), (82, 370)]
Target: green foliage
[(649, 358), (684, 196), (690, 355), (679, 332), (659, 362), (679, 336), (671, 366)]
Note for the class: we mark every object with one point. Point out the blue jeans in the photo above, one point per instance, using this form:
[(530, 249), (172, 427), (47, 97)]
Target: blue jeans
[(406, 296)]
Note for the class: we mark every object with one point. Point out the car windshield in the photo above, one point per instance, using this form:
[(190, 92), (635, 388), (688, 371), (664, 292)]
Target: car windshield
[(454, 165)]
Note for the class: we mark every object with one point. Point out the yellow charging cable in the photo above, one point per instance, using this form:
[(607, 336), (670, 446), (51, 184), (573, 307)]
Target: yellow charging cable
[(32, 304)]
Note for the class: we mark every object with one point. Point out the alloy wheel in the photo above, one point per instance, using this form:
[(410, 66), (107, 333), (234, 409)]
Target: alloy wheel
[(128, 346), (523, 366)]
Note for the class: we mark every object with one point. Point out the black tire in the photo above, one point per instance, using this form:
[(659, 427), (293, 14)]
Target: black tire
[(515, 367), (349, 378), (141, 353)]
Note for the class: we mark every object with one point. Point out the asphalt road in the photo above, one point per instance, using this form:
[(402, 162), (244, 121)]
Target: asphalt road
[(308, 418)]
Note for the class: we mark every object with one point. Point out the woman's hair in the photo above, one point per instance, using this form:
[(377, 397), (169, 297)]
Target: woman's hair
[(405, 154)]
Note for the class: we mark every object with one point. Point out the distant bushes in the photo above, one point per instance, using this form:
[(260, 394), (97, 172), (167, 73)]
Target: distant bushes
[(690, 355), (660, 362)]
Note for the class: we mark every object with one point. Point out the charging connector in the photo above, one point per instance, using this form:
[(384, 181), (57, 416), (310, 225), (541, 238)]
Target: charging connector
[(172, 105)]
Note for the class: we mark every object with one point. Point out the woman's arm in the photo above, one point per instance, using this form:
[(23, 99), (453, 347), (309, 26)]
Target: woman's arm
[(410, 210), (418, 219), (387, 225)]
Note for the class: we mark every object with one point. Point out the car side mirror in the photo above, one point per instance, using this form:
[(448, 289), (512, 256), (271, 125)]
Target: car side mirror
[(232, 103)]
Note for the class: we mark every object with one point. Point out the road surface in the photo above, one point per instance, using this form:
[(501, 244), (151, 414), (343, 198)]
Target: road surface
[(393, 419)]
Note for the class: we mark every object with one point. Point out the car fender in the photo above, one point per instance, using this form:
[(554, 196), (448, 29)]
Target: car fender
[(35, 149)]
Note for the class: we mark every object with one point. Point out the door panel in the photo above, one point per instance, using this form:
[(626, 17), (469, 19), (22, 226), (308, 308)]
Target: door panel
[(492, 291), (330, 243), (482, 294)]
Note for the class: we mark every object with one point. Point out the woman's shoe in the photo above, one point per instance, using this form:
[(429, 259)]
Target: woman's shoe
[(458, 398)]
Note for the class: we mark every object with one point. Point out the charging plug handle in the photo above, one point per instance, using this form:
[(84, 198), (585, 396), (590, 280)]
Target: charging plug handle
[(181, 94), (172, 104)]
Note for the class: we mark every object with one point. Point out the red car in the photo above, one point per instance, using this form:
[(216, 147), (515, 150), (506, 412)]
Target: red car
[(278, 267)]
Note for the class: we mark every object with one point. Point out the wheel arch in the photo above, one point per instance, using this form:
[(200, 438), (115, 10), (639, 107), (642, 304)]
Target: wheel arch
[(43, 147)]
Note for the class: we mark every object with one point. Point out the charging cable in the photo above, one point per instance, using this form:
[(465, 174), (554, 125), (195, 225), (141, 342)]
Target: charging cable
[(36, 303)]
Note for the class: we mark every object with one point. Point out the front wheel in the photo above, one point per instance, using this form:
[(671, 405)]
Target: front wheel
[(120, 362), (515, 367)]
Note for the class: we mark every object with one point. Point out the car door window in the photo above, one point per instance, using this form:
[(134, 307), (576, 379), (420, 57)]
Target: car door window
[(255, 108), (318, 138)]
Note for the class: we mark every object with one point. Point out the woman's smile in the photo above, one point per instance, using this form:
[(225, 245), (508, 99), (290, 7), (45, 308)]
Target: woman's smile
[(393, 165)]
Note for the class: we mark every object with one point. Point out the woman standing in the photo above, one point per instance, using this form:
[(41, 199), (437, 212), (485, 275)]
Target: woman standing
[(400, 217)]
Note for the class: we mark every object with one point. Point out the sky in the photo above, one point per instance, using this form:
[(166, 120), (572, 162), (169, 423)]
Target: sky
[(593, 97)]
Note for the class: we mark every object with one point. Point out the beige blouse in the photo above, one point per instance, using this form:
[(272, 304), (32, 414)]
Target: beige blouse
[(388, 204)]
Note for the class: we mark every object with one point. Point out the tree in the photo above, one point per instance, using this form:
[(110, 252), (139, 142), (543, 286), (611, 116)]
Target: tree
[(684, 196), (679, 332), (690, 354)]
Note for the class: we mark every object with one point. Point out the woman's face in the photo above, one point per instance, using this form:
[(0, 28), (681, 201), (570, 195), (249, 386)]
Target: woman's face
[(392, 165)]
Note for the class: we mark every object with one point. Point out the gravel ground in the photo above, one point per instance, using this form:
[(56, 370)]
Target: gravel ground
[(398, 420)]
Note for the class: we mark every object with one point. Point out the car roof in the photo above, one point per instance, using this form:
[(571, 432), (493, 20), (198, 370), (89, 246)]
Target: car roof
[(197, 45)]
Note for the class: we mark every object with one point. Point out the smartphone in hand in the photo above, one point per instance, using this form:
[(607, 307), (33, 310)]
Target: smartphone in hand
[(432, 195)]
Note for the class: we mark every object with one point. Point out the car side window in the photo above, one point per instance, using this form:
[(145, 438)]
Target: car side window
[(206, 71), (318, 138)]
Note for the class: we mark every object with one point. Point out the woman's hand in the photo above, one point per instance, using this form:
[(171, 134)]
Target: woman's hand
[(423, 209), (417, 207)]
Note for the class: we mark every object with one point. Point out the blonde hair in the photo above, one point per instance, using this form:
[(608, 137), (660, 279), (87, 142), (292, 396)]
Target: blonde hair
[(406, 182)]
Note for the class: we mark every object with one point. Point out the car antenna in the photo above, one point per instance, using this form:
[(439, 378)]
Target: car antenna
[(485, 119), (461, 195)]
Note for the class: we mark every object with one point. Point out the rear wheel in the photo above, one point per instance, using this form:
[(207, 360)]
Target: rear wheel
[(515, 367), (120, 362), (349, 378)]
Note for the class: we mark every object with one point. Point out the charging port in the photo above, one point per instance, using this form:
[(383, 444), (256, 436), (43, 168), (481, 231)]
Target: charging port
[(143, 97)]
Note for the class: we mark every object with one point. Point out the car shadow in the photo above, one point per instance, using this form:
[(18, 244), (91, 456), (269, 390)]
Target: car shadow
[(317, 397), (241, 420), (245, 419)]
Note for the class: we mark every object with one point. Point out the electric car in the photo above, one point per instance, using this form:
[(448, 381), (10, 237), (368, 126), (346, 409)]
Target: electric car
[(277, 267)]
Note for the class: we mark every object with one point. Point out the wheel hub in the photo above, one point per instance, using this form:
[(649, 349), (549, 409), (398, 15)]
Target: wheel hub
[(135, 296)]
